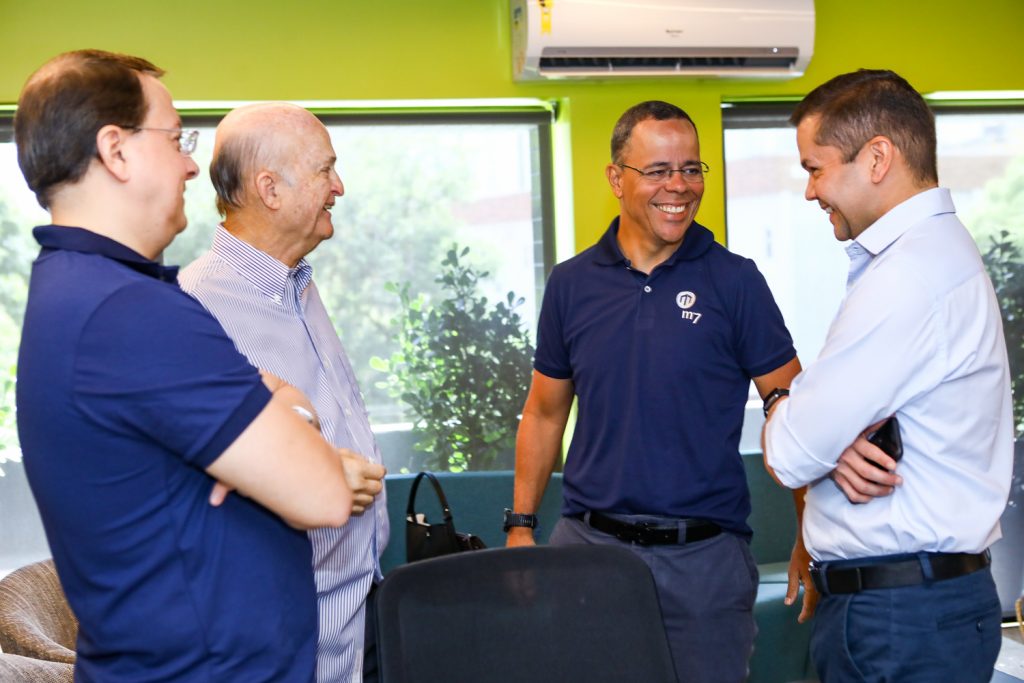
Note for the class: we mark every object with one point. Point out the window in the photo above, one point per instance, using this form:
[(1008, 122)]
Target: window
[(981, 160), (416, 182)]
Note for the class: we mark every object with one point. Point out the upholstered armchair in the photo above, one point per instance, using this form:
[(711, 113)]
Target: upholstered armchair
[(35, 620)]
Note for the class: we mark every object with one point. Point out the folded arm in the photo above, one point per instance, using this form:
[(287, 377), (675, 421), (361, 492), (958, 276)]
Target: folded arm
[(283, 463)]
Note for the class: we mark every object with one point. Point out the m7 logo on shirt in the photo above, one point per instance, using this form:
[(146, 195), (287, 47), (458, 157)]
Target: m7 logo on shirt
[(685, 301)]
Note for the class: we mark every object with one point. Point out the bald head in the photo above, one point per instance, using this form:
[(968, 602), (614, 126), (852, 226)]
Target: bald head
[(252, 139)]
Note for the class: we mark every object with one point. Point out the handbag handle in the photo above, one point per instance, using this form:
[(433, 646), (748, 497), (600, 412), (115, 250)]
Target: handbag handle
[(410, 512)]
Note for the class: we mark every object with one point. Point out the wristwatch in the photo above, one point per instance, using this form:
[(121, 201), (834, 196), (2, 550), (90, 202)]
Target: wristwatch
[(773, 397), (518, 519)]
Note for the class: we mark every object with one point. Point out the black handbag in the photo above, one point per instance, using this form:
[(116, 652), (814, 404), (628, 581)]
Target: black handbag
[(424, 540)]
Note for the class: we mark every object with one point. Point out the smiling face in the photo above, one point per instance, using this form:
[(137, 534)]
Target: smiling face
[(656, 215), (842, 189), (311, 186)]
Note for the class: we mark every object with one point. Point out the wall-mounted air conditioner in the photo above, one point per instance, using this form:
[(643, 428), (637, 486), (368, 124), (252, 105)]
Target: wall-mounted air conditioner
[(629, 38)]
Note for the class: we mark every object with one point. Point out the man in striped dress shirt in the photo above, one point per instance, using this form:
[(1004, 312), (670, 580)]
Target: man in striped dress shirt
[(273, 169)]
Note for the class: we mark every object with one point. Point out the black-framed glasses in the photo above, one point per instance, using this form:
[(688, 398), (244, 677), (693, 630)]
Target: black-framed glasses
[(187, 137), (693, 175)]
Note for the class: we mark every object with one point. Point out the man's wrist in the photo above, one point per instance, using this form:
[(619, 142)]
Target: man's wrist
[(517, 520), (773, 397)]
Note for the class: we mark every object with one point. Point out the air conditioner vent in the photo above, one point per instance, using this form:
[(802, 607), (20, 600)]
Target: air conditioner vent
[(655, 65)]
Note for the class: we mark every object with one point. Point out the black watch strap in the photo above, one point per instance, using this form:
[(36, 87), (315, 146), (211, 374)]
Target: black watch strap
[(773, 397), (518, 519)]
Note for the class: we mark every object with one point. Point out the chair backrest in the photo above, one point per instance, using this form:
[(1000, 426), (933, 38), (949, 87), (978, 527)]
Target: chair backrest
[(566, 614), (35, 619)]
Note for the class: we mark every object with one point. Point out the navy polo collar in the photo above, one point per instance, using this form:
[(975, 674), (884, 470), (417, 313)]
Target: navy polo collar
[(696, 242), (88, 242)]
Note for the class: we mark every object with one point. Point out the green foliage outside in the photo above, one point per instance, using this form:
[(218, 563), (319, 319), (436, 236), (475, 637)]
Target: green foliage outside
[(380, 230), (17, 250), (1005, 267), (998, 225), (395, 213), (1001, 220), (463, 366)]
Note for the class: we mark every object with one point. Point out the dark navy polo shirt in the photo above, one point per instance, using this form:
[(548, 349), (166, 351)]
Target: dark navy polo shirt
[(127, 390), (661, 366)]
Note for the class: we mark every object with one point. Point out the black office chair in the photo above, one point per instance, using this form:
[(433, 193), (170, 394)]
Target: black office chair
[(565, 614)]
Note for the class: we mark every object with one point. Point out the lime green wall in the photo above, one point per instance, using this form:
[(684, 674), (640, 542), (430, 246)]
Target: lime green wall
[(367, 49)]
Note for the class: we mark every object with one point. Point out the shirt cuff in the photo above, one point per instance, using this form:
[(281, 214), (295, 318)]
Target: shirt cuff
[(793, 464)]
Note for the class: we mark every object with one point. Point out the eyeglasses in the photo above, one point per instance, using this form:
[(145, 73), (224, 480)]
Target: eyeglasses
[(186, 139), (692, 175)]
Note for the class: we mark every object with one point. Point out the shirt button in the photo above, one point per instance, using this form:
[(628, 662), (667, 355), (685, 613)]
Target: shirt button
[(647, 288)]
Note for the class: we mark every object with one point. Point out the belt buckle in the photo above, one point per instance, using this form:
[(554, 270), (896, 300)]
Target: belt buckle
[(818, 578), (843, 580)]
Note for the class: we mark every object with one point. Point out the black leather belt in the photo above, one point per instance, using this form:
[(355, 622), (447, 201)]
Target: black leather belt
[(894, 572), (651, 533)]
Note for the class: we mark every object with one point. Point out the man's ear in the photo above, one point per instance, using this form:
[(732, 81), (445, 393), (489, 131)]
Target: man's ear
[(110, 147), (882, 153), (267, 188), (614, 175)]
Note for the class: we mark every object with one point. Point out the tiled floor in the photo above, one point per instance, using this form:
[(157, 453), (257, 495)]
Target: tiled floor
[(1010, 666)]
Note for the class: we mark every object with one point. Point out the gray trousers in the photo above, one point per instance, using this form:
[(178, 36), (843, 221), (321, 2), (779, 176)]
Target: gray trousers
[(706, 590)]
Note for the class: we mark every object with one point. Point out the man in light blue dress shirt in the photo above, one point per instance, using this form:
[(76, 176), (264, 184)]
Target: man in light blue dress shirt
[(273, 169), (901, 560)]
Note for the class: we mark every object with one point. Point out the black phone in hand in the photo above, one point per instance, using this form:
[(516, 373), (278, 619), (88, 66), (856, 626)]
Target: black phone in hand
[(887, 438)]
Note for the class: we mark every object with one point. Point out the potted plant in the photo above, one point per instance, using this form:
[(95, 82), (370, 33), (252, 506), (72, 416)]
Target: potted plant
[(463, 368)]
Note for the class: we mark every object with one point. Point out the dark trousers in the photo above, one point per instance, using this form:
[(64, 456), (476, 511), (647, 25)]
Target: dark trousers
[(706, 591), (941, 632)]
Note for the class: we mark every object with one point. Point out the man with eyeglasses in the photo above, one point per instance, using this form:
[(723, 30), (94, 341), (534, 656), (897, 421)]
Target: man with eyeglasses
[(274, 171), (658, 331), (901, 561), (132, 403)]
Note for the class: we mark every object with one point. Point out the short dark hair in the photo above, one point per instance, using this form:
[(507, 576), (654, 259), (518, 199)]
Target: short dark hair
[(855, 107), (63, 106), (652, 109)]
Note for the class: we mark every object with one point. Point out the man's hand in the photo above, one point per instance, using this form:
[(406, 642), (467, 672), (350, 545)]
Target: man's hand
[(799, 573), (366, 479), (519, 536), (857, 476)]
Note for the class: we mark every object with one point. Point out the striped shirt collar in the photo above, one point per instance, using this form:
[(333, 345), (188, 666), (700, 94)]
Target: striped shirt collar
[(268, 275)]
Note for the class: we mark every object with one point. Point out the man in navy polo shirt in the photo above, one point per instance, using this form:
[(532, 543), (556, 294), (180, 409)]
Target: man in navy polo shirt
[(658, 331), (132, 403)]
